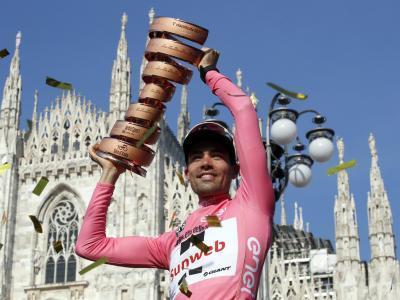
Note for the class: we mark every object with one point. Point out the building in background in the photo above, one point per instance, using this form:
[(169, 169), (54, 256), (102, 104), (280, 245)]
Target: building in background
[(299, 266), (55, 146)]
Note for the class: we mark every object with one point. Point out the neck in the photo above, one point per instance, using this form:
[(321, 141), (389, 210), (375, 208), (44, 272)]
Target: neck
[(213, 199)]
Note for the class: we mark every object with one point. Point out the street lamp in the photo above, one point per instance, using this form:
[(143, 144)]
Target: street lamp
[(281, 132), (211, 112), (296, 168)]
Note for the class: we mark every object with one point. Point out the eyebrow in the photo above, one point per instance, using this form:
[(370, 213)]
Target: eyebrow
[(194, 152)]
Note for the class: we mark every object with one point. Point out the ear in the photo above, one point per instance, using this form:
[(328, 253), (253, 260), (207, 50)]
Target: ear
[(186, 172), (236, 170)]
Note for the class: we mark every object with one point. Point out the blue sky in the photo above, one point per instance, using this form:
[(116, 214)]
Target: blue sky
[(344, 54)]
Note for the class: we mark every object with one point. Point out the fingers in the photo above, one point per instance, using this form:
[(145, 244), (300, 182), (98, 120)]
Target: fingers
[(92, 152), (208, 50)]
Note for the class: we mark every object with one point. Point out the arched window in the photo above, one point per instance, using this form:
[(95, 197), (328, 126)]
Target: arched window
[(71, 268), (65, 142), (63, 227), (76, 145), (49, 270), (54, 146), (60, 276)]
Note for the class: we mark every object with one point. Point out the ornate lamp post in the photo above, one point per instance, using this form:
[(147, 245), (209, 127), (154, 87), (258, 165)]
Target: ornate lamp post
[(282, 130)]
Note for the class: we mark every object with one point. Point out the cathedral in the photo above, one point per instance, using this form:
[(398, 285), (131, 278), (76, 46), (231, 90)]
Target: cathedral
[(55, 146), (300, 266)]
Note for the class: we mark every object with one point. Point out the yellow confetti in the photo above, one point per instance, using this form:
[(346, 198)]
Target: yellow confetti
[(57, 246), (341, 167), (146, 135), (36, 223), (5, 167), (40, 186), (95, 264), (4, 218), (181, 179), (4, 52), (213, 221), (299, 96), (58, 84), (172, 220), (199, 244), (184, 288)]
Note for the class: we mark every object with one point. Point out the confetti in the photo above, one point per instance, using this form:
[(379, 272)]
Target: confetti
[(57, 246), (184, 288), (298, 96), (58, 84), (182, 181), (4, 218), (146, 135), (341, 167), (213, 221), (199, 244), (40, 186), (4, 53), (172, 220), (36, 223), (5, 167), (95, 264)]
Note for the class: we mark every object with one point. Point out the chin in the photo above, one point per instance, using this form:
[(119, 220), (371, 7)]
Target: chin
[(203, 192)]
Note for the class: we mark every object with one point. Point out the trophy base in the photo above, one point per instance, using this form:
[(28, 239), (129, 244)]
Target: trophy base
[(123, 163)]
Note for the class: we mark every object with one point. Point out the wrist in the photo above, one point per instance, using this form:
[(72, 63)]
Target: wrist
[(204, 70), (109, 176)]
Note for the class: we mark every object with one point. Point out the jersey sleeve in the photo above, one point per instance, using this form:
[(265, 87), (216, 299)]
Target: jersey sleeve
[(131, 251), (256, 188)]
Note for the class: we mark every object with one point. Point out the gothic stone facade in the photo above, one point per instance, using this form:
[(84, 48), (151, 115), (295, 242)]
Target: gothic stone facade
[(55, 147)]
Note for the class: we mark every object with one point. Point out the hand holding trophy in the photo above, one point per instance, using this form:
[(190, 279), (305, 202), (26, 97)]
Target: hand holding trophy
[(128, 143)]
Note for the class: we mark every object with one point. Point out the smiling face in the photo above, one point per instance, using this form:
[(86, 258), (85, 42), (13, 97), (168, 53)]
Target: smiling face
[(209, 171)]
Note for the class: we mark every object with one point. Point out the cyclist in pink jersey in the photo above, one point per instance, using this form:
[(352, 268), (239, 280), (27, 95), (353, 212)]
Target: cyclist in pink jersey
[(232, 266)]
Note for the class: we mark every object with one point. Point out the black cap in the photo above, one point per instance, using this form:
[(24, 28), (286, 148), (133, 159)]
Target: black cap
[(210, 129)]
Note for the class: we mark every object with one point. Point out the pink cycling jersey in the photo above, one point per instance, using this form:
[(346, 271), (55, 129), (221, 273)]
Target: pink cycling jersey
[(231, 269)]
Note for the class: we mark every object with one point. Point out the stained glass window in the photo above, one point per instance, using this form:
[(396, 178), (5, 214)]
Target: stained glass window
[(63, 226)]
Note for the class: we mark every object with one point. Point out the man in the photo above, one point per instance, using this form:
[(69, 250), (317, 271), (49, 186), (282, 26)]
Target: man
[(231, 268)]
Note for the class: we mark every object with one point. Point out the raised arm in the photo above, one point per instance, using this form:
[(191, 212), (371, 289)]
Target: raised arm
[(132, 251), (256, 186)]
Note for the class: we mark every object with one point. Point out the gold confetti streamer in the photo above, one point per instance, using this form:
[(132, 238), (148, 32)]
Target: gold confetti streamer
[(341, 167), (298, 96), (184, 288), (95, 264), (40, 186), (58, 84), (181, 179), (199, 244), (4, 218), (172, 220), (213, 221), (146, 135), (4, 52), (36, 223), (5, 167), (57, 246)]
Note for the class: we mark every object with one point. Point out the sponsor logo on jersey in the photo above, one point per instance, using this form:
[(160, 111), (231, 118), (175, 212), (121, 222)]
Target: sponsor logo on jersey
[(188, 261), (216, 271), (249, 279)]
